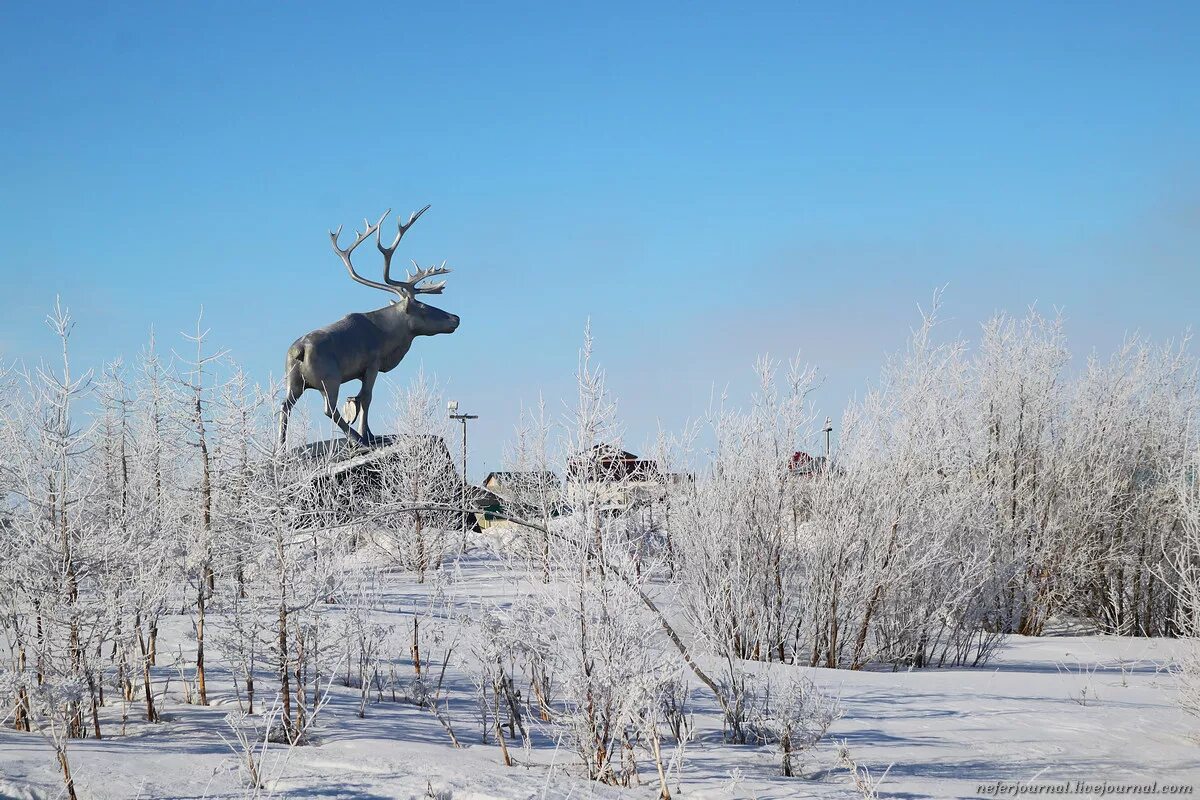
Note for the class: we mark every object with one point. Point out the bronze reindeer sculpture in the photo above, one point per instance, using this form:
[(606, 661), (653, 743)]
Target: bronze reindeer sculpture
[(360, 346)]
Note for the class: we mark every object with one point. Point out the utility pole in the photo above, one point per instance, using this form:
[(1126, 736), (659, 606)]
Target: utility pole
[(828, 429), (453, 406)]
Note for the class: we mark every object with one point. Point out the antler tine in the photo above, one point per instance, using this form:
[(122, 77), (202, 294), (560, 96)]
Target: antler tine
[(412, 279), (359, 239), (401, 229)]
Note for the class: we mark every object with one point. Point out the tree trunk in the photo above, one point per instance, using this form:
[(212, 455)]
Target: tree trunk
[(285, 688), (151, 714), (66, 772), (201, 595), (860, 641)]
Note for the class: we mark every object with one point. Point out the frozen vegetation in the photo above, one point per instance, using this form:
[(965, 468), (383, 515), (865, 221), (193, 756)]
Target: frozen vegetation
[(1048, 708), (995, 577)]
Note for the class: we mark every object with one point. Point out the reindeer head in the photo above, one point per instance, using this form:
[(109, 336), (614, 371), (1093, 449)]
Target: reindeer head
[(423, 319)]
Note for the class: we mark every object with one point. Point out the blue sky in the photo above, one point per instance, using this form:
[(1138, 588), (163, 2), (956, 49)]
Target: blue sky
[(704, 182)]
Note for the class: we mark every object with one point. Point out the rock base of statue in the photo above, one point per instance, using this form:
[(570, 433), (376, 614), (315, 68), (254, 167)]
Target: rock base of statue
[(365, 479), (343, 455)]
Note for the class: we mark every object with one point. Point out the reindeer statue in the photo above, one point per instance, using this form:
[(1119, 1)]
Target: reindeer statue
[(360, 346)]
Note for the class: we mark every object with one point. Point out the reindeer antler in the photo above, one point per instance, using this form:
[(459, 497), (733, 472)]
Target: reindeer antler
[(409, 285), (412, 279), (359, 239), (401, 229)]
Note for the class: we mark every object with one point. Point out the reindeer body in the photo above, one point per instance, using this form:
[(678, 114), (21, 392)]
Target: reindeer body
[(360, 346)]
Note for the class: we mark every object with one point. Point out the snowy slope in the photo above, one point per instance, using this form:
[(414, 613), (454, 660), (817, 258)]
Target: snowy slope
[(1056, 708)]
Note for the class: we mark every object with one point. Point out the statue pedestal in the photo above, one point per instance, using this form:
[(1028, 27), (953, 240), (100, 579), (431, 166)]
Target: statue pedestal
[(350, 474), (342, 455)]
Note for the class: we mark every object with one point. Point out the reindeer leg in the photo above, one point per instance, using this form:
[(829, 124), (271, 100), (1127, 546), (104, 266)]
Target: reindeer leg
[(364, 404), (284, 410), (293, 388), (330, 392)]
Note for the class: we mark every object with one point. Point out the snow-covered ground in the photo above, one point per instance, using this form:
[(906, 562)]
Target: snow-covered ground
[(1090, 708)]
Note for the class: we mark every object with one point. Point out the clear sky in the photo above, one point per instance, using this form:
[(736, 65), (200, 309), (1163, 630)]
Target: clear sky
[(705, 182)]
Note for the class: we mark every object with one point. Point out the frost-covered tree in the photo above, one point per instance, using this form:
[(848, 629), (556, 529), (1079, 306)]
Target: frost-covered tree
[(194, 407), (1185, 577), (417, 475), (735, 528), (53, 541)]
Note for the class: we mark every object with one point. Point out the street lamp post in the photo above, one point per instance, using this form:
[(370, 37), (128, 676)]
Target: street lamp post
[(453, 406), (827, 430)]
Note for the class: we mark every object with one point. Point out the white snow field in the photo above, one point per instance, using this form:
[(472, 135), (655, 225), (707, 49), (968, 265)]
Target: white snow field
[(1051, 709)]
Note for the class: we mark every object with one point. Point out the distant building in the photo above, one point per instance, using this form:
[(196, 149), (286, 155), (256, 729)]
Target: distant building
[(614, 478), (514, 485), (526, 494), (804, 465)]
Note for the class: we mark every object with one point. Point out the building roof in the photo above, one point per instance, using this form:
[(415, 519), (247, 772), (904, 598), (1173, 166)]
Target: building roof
[(802, 463), (521, 476), (517, 483), (605, 462)]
